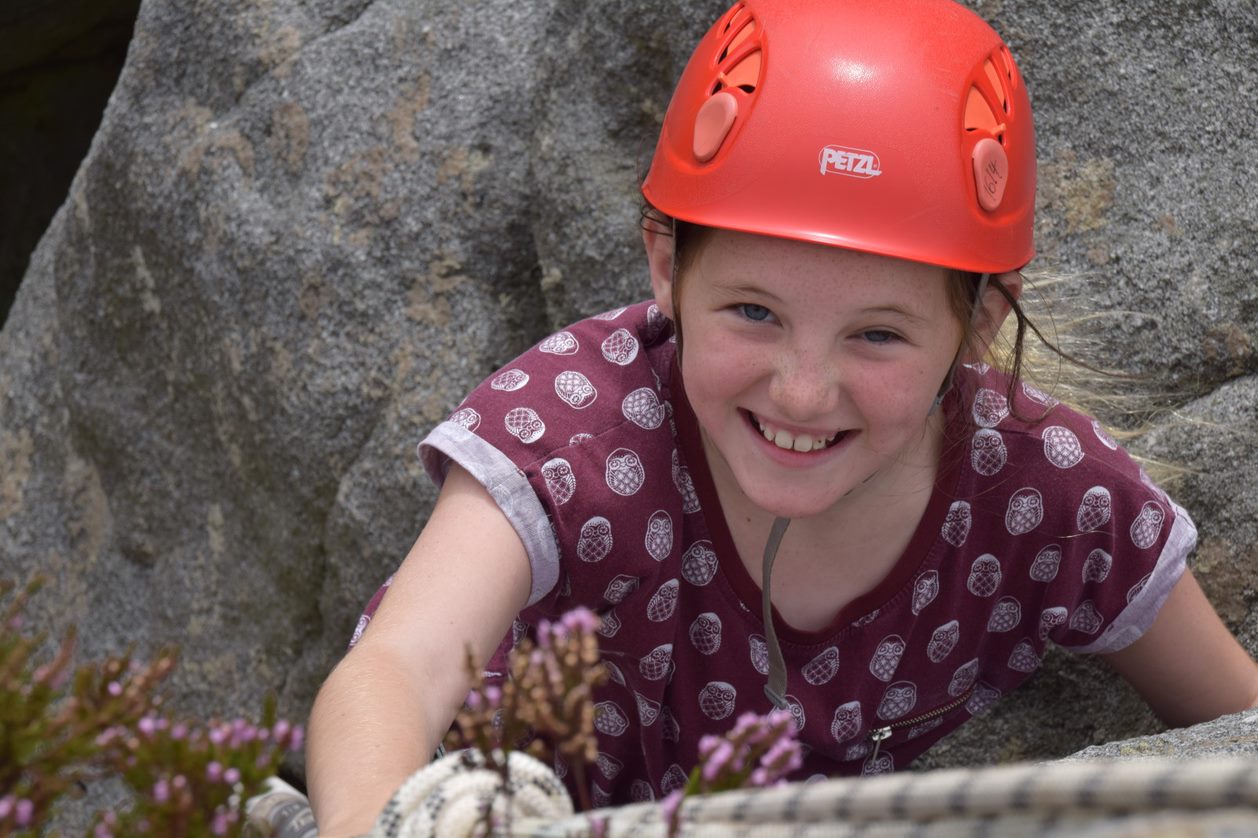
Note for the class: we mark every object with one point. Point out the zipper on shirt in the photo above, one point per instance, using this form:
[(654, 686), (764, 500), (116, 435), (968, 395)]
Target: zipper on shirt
[(881, 734)]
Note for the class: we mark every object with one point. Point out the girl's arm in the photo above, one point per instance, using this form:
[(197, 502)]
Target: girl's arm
[(1188, 666), (387, 705)]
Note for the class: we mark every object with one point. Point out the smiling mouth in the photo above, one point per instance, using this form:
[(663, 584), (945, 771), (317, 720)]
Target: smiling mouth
[(801, 443)]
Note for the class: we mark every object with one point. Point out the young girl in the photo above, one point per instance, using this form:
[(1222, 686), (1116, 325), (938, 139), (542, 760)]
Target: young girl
[(839, 205)]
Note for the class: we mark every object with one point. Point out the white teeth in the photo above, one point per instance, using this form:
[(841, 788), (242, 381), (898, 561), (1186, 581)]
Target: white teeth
[(802, 443)]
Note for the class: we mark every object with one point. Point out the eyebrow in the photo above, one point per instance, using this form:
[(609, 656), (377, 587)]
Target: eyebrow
[(745, 291), (896, 311)]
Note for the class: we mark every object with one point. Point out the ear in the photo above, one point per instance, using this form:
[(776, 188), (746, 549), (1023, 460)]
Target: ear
[(659, 257), (996, 307)]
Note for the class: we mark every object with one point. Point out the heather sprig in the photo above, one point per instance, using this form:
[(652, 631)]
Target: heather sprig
[(759, 751), (64, 727), (547, 698)]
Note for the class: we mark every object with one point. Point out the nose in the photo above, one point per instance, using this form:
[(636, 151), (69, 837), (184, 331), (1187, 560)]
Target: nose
[(805, 383)]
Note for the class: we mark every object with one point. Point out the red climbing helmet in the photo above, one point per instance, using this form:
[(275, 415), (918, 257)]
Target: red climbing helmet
[(899, 127)]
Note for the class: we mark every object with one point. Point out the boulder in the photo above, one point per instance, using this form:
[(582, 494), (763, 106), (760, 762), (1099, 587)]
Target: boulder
[(305, 229)]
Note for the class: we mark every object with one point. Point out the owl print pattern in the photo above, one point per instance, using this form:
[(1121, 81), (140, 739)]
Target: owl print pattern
[(1037, 532)]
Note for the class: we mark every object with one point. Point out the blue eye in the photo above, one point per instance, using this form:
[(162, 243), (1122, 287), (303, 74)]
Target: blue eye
[(754, 312), (879, 336)]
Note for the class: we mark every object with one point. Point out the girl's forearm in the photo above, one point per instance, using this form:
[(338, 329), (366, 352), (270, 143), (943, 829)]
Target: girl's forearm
[(366, 736)]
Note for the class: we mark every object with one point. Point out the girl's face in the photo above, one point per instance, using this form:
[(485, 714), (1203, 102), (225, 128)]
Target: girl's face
[(812, 369)]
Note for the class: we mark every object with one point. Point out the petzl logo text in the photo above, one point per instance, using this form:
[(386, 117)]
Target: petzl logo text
[(851, 162)]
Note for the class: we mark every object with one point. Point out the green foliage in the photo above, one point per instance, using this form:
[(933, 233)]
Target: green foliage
[(64, 727)]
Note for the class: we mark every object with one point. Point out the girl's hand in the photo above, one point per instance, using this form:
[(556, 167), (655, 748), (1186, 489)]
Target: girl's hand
[(1188, 667)]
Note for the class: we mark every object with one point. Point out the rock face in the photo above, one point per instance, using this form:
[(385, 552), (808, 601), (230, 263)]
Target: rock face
[(304, 230)]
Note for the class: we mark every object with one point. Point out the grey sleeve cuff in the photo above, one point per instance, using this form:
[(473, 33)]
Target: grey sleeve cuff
[(507, 485), (1142, 610)]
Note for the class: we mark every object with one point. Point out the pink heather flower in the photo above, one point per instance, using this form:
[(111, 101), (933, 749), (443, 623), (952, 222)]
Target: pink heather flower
[(6, 805), (16, 623), (180, 782), (493, 695), (670, 806), (281, 729), (707, 744), (214, 771), (102, 831), (473, 700), (24, 812), (717, 760), (759, 778), (299, 736), (114, 688), (179, 731), (231, 776), (147, 725), (161, 791), (219, 824), (219, 735)]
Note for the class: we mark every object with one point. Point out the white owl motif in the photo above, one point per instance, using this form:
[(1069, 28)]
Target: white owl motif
[(466, 417), (796, 709), (759, 653), (609, 719), (625, 474), (982, 699), (1061, 446), (640, 792), (988, 453), (663, 602), (643, 408), (943, 641), (656, 322), (620, 347), (614, 673), (1038, 396), (619, 588), (886, 659), (925, 589), (698, 565), (1097, 565), (659, 535), (509, 381), (560, 343), (880, 764), (608, 765), (716, 700), (577, 439), (1148, 525), (658, 663), (1047, 561), (1023, 658), (1051, 618), (598, 797), (648, 710), (595, 541), (823, 667), (1106, 440), (897, 701), (575, 389), (1086, 618), (524, 424), (670, 731), (1094, 509), (561, 766), (847, 722), (363, 621), (984, 576), (608, 623), (685, 486), (956, 526), (1005, 616), (674, 778), (858, 751), (560, 481), (963, 678), (705, 633), (518, 630), (1025, 512), (990, 408)]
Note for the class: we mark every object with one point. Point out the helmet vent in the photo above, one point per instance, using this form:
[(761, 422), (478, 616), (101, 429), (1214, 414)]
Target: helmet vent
[(987, 102), (739, 61)]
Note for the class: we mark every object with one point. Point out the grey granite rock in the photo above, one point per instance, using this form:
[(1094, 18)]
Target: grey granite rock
[(304, 230)]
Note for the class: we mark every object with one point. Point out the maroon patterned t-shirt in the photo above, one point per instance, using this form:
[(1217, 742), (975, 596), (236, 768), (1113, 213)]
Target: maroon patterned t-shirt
[(1035, 532)]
